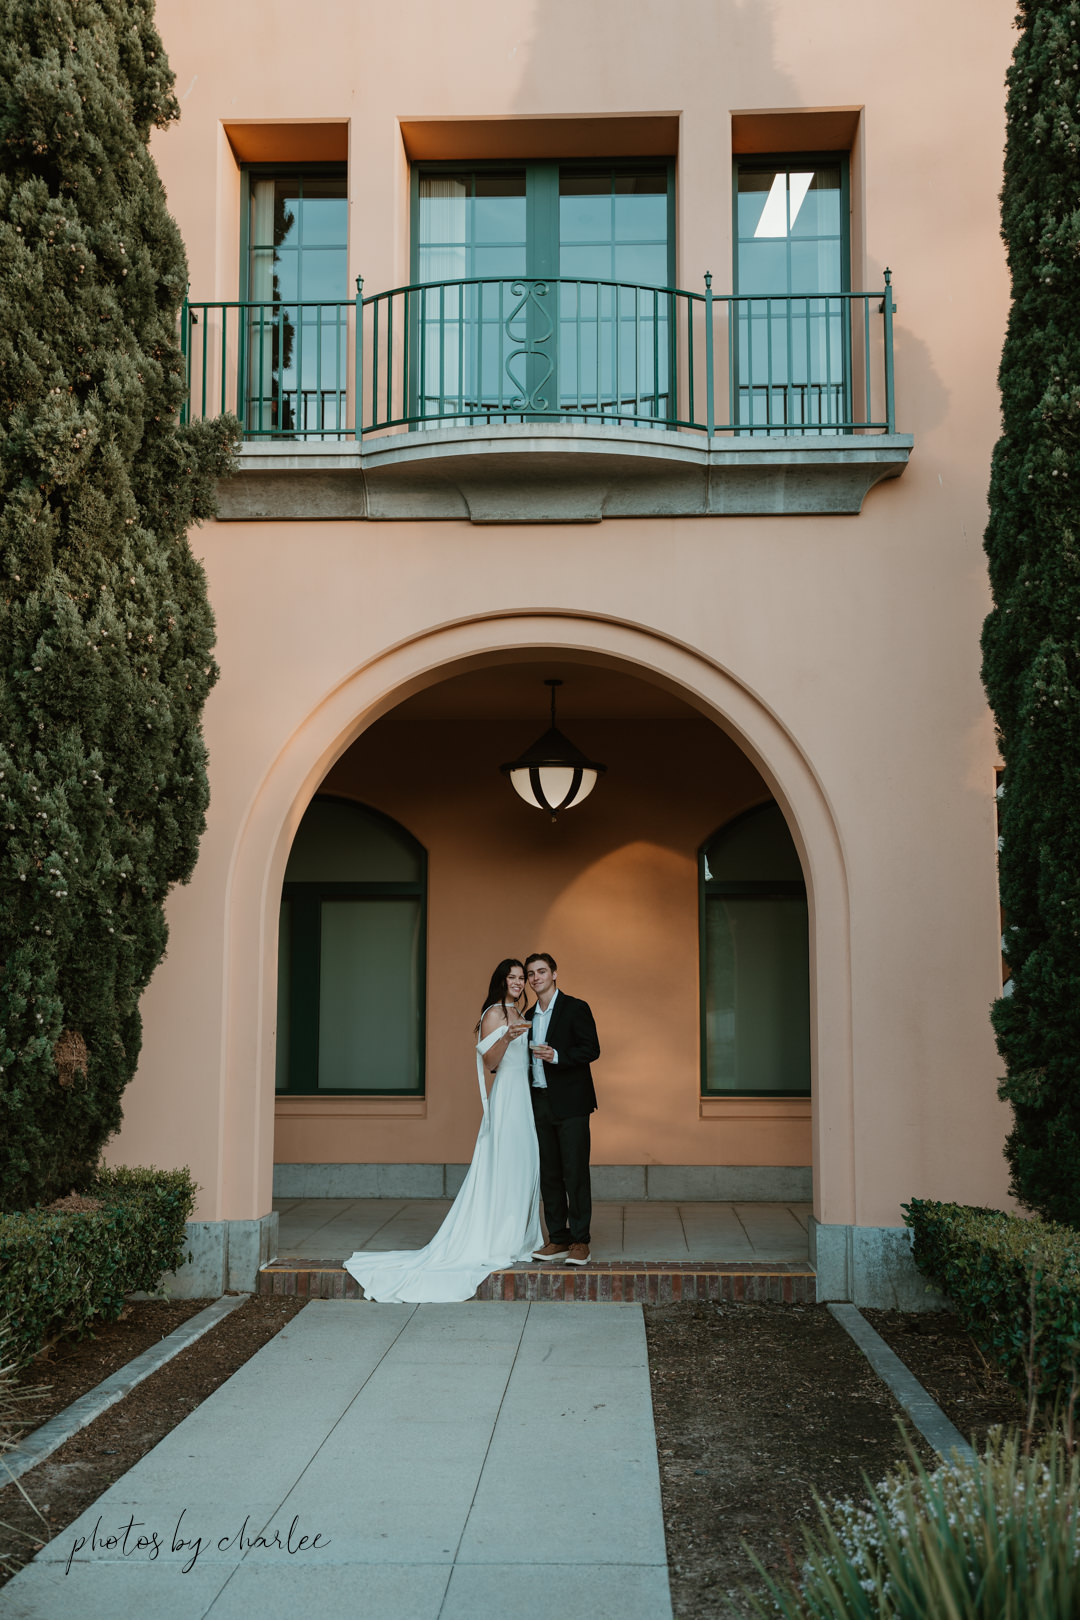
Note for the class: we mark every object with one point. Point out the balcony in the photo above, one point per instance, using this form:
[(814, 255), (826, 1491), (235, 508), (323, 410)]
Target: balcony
[(551, 400)]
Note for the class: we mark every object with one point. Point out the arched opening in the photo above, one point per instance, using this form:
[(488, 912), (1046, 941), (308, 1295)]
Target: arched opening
[(613, 890), (755, 960), (254, 851), (351, 956)]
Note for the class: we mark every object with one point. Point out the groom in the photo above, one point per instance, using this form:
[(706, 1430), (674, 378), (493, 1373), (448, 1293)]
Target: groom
[(563, 1043)]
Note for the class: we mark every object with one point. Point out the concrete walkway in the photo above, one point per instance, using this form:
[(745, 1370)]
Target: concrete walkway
[(491, 1461)]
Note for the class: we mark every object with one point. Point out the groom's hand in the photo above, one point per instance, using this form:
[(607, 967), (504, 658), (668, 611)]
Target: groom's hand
[(545, 1052)]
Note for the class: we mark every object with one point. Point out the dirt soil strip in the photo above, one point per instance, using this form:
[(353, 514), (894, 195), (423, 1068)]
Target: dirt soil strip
[(760, 1407), (74, 1476), (950, 1366), (920, 1407), (67, 1423)]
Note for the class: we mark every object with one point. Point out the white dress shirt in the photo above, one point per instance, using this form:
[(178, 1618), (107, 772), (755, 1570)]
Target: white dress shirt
[(540, 1022)]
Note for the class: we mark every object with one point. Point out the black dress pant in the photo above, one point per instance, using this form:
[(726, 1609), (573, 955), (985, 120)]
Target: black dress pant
[(564, 1171)]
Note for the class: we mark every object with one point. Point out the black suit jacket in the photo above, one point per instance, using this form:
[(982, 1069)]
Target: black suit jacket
[(572, 1033)]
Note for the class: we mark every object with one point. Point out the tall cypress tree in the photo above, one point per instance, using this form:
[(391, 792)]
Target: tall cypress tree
[(105, 627), (1031, 640)]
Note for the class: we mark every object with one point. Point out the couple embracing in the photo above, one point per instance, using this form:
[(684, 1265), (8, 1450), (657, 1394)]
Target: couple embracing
[(533, 1140)]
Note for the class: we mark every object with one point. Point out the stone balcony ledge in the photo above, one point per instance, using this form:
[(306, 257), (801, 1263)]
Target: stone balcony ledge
[(554, 472)]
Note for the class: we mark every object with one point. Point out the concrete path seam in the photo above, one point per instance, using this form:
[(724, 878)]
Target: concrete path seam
[(53, 1434), (919, 1405), (487, 1454), (320, 1446)]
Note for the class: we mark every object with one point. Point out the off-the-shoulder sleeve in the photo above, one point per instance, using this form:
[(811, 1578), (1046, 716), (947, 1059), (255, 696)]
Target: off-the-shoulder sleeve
[(489, 1040)]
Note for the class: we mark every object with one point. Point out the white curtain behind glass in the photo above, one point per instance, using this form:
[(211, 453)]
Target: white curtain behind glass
[(443, 257), (261, 291)]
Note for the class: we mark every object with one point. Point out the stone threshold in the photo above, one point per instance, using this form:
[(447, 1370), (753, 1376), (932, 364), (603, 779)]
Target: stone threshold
[(649, 1282)]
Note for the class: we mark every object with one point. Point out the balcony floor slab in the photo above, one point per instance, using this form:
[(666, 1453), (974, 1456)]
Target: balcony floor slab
[(554, 472)]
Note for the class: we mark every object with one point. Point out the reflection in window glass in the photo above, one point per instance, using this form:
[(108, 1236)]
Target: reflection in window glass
[(792, 353), (350, 958), (284, 979), (368, 995), (755, 972), (297, 278), (513, 342), (758, 995)]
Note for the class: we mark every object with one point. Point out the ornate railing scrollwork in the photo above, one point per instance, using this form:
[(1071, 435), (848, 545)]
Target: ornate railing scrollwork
[(530, 344)]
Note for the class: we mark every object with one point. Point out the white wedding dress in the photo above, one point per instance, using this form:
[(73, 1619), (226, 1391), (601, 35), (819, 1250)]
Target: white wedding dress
[(494, 1220)]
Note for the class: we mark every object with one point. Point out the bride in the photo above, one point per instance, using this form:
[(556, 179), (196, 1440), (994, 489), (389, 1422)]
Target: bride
[(494, 1221)]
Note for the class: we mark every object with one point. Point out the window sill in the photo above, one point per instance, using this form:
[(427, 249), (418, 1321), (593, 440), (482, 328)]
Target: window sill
[(749, 1108), (293, 1107)]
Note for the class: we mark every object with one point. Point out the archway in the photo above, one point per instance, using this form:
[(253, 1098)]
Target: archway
[(372, 691)]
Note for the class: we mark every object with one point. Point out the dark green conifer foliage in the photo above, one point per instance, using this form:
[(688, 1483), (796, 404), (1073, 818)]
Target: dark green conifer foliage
[(1031, 640), (105, 627)]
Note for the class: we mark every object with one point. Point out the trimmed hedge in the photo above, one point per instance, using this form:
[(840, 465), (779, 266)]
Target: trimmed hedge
[(1009, 1278), (61, 1273)]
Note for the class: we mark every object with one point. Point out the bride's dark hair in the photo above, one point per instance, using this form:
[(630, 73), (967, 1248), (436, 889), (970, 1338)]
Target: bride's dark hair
[(497, 992)]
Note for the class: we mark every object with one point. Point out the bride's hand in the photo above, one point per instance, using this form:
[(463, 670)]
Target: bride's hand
[(517, 1030)]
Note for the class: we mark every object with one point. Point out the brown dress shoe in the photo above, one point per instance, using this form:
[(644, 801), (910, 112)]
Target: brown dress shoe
[(551, 1251), (578, 1254)]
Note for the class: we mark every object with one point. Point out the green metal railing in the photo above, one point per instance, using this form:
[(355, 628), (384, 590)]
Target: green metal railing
[(489, 351)]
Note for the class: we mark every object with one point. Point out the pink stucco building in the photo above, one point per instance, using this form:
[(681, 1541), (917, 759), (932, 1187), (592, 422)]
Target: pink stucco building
[(740, 522)]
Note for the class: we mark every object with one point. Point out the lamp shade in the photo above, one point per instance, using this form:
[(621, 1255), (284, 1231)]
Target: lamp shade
[(553, 775)]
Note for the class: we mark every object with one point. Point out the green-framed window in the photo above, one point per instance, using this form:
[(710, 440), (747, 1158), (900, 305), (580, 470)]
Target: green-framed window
[(606, 227), (294, 274), (792, 260), (755, 965), (351, 955)]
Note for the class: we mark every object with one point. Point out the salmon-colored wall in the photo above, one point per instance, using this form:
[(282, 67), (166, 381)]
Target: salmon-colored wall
[(842, 653), (611, 890)]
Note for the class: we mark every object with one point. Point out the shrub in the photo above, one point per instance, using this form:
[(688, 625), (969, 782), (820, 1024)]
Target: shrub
[(996, 1539), (105, 624), (1031, 649), (60, 1273), (1015, 1284)]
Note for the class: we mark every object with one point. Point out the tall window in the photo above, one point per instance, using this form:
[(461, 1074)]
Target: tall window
[(296, 279), (791, 260), (755, 965), (518, 341), (351, 955)]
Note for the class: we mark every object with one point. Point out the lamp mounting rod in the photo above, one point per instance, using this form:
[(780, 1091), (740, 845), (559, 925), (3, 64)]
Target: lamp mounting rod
[(553, 684)]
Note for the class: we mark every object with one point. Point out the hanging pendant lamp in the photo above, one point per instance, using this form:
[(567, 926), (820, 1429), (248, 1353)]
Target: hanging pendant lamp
[(553, 775)]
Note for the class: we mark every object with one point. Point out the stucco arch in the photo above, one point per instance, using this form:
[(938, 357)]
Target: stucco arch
[(379, 685)]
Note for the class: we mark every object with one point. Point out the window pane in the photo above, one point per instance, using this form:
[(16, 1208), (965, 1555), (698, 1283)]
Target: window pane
[(586, 216), (819, 214), (368, 995), (756, 847), (284, 1003), (644, 266), (322, 222), (757, 994), (499, 261), (586, 263), (763, 267), (323, 274), (815, 266), (641, 218), (339, 842), (498, 210), (286, 212), (755, 186)]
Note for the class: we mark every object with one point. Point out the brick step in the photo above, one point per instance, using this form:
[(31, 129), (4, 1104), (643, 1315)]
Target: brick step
[(652, 1282)]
